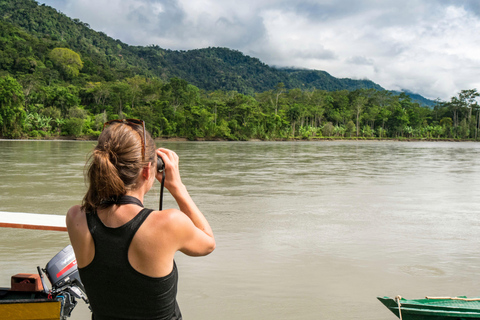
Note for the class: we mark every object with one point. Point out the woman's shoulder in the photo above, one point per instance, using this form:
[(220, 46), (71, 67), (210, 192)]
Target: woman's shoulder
[(169, 220), (158, 232), (165, 217), (178, 232), (75, 212), (75, 216)]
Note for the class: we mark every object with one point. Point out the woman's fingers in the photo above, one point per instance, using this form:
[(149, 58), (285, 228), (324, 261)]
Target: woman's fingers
[(171, 155), (166, 156), (170, 159)]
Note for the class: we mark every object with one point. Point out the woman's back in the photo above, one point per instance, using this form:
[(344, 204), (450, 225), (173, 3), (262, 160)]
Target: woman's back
[(115, 289)]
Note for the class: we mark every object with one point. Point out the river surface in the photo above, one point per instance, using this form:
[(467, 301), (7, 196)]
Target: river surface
[(304, 230)]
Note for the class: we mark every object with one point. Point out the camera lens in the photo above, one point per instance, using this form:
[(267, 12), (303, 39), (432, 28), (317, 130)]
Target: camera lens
[(160, 164)]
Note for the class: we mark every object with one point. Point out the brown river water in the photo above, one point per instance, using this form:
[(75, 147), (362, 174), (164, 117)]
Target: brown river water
[(304, 230)]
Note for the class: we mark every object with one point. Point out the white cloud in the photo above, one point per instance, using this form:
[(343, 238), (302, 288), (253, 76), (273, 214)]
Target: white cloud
[(426, 46)]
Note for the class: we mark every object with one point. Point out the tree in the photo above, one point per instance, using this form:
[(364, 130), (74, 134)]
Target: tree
[(67, 60), (384, 115), (175, 92), (266, 100), (279, 90), (350, 128), (468, 98), (455, 105), (60, 97), (318, 102), (358, 105), (100, 92), (293, 115), (446, 122), (477, 120), (120, 95), (73, 126), (371, 115), (135, 85), (340, 112), (398, 120), (12, 114), (216, 100), (328, 129)]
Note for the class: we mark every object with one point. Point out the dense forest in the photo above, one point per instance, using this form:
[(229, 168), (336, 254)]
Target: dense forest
[(59, 77), (106, 59)]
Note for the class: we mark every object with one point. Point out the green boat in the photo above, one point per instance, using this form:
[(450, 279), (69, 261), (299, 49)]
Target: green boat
[(434, 308)]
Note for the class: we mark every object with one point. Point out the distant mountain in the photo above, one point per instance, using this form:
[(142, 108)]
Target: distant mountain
[(226, 69), (43, 28), (323, 80), (417, 98)]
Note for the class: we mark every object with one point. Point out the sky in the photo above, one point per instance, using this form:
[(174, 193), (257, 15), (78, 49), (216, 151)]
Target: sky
[(430, 47)]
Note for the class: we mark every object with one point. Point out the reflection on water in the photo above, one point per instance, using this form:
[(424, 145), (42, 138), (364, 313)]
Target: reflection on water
[(311, 230)]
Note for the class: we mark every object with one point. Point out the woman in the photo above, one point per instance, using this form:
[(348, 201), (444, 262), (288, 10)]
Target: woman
[(125, 252)]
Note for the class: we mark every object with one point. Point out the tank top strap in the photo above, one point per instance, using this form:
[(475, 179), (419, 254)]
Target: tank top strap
[(133, 225), (125, 199), (121, 236)]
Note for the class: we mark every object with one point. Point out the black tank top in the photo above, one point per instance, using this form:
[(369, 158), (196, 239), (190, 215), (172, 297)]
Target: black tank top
[(114, 288)]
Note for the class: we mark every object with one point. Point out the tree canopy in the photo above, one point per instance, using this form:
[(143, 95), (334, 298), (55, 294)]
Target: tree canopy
[(67, 60), (59, 77), (32, 31)]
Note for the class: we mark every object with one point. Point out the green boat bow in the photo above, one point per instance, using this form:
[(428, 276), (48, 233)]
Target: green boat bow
[(432, 308)]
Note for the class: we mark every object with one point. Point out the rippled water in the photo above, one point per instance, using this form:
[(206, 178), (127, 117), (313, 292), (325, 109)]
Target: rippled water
[(310, 230)]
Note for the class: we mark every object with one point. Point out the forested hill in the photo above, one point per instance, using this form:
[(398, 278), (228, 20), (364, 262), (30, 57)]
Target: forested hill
[(43, 28), (59, 77), (226, 69)]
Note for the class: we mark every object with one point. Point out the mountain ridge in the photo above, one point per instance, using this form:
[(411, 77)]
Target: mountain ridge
[(212, 68)]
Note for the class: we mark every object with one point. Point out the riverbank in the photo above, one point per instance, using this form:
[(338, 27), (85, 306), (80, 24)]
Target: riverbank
[(405, 139)]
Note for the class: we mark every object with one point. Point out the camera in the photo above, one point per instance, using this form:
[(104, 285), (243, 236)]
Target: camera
[(160, 164)]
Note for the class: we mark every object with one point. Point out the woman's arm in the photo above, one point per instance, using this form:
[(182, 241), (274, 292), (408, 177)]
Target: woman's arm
[(80, 237), (191, 226)]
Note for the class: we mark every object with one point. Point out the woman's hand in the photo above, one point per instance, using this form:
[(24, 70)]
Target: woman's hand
[(191, 229), (173, 182)]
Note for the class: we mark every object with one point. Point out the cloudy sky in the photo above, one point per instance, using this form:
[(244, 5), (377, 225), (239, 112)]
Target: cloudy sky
[(431, 47)]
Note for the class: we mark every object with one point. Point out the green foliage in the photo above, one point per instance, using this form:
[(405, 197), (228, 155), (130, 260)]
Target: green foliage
[(350, 129), (367, 131), (446, 122), (67, 60), (12, 114), (73, 127), (37, 122), (328, 129), (307, 132), (212, 93), (37, 36), (179, 109), (77, 112)]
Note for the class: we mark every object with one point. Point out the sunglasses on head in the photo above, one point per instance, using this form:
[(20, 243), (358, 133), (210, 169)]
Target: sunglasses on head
[(137, 122)]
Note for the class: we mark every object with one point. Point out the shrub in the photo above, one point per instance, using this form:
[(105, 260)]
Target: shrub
[(43, 134), (328, 129), (93, 133), (350, 128), (73, 127), (33, 134)]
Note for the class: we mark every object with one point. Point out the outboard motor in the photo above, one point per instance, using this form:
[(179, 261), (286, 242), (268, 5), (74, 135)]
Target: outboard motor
[(62, 272)]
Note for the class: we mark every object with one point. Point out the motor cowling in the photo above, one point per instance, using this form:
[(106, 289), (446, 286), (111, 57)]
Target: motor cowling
[(62, 271), (62, 268)]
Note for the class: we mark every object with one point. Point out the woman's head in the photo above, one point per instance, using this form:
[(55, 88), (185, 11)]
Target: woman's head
[(117, 161)]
